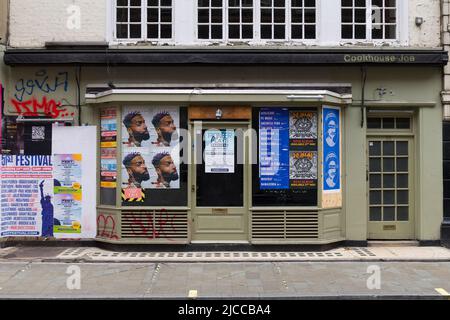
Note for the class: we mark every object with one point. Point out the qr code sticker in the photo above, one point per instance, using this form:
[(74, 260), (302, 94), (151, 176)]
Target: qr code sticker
[(38, 133)]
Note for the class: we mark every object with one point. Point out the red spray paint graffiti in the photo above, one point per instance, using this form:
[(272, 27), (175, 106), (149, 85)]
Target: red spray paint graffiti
[(161, 229), (34, 107), (106, 227)]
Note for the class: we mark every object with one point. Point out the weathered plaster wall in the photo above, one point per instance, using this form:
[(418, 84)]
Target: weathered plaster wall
[(32, 23)]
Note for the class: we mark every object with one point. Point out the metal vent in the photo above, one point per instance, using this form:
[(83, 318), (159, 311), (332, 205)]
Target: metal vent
[(155, 225), (285, 225)]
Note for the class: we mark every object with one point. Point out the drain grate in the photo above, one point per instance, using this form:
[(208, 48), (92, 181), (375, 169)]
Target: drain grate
[(364, 252), (95, 254)]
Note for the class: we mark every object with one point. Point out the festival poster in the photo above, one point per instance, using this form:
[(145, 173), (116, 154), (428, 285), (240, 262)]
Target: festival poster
[(150, 151), (108, 144), (332, 194), (80, 172), (219, 151), (303, 130), (303, 169), (27, 201), (274, 148), (108, 128), (287, 148), (108, 173), (68, 193)]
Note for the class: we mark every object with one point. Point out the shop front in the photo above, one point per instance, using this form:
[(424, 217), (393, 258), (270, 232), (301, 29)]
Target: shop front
[(297, 147), (234, 171)]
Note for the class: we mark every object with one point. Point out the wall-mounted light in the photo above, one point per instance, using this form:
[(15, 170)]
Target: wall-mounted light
[(219, 114), (419, 21)]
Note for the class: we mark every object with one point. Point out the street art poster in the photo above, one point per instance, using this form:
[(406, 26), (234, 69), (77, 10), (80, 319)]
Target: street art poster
[(75, 179), (108, 147), (303, 169), (219, 151), (27, 202), (287, 148), (68, 194), (332, 195), (150, 151)]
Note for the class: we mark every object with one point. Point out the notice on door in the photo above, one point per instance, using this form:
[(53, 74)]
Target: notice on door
[(219, 151)]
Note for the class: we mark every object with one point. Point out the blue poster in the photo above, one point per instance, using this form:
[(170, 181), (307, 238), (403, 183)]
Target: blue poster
[(274, 148), (331, 149)]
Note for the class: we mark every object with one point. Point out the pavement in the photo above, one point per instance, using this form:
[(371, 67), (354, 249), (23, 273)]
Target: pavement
[(357, 273)]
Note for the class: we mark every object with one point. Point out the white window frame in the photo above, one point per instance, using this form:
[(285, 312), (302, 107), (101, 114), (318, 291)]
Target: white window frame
[(112, 26), (328, 27), (401, 26), (257, 40)]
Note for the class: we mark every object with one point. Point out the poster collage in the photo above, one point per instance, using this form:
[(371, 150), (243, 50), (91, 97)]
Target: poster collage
[(150, 151), (108, 147), (41, 195), (288, 149)]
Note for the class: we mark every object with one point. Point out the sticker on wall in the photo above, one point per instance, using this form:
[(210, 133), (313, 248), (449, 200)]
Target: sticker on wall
[(332, 193), (219, 151)]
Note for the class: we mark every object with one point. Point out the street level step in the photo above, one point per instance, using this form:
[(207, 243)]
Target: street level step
[(390, 243)]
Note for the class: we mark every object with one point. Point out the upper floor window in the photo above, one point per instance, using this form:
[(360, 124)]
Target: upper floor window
[(256, 19), (259, 22), (369, 19), (143, 19)]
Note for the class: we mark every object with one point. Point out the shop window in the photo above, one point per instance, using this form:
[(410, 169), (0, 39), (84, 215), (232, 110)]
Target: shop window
[(287, 168), (153, 173), (369, 19), (131, 14)]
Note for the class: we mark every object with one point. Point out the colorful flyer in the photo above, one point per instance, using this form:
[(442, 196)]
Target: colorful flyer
[(68, 193), (219, 151)]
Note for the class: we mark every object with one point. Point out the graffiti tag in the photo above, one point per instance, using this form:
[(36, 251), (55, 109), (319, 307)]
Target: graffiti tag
[(106, 227), (41, 83), (164, 223), (34, 107)]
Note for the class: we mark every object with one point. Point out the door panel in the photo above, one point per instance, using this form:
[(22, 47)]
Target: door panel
[(219, 206), (223, 189), (390, 188)]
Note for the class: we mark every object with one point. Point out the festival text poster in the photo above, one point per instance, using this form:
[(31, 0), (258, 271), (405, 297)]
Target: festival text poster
[(27, 203), (288, 157), (75, 167), (332, 193), (68, 193)]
